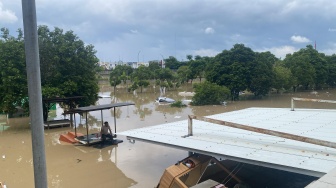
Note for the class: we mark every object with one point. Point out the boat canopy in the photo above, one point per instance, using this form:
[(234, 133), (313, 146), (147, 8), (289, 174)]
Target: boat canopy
[(99, 107), (102, 107)]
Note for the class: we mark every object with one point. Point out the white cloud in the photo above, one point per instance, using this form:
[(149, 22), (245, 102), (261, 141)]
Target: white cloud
[(299, 39), (331, 29), (174, 28), (330, 49), (281, 51), (134, 31), (7, 16), (209, 30), (206, 52)]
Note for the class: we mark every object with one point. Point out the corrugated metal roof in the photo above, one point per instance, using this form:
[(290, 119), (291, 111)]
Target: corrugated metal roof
[(255, 148), (98, 107)]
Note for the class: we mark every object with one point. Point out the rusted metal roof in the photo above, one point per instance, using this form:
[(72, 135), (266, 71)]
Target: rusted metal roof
[(251, 147)]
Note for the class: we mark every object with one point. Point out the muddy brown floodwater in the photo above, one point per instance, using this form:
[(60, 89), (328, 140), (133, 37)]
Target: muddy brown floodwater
[(127, 164)]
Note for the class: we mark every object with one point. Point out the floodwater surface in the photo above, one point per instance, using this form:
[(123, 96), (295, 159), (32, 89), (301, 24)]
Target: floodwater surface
[(127, 164)]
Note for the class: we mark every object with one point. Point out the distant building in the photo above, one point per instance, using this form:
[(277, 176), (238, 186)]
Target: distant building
[(143, 63), (112, 65), (132, 64), (162, 63), (107, 65)]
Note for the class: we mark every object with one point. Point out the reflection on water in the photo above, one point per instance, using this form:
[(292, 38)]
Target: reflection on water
[(125, 165)]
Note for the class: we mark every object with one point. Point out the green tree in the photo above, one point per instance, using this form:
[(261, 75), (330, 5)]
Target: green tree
[(283, 78), (320, 65), (261, 79), (140, 76), (115, 79), (183, 73), (172, 63), (68, 67), (165, 79), (331, 67), (68, 64), (154, 65), (308, 66), (267, 57), (120, 74), (207, 93), (197, 68), (303, 71), (189, 57), (232, 69), (13, 77), (261, 73)]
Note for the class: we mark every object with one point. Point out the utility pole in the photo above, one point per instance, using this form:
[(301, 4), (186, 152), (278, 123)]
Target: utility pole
[(138, 59), (162, 61), (138, 55), (34, 92)]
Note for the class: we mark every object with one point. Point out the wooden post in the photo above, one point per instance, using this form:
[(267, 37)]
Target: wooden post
[(308, 100), (87, 129), (190, 127)]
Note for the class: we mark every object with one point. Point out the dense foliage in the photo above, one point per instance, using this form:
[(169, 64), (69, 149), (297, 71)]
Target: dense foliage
[(68, 68), (119, 74), (241, 69), (209, 93), (13, 76)]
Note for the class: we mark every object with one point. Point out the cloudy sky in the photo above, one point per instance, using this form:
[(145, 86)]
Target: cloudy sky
[(132, 30)]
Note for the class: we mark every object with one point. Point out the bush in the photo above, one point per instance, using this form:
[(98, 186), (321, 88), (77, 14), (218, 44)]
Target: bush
[(178, 104), (207, 93)]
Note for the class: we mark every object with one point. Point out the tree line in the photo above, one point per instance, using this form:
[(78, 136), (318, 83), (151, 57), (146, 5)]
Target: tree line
[(69, 68), (238, 69)]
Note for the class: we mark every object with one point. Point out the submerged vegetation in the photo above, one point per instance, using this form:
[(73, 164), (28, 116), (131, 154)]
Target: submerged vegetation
[(209, 94), (239, 69), (178, 104)]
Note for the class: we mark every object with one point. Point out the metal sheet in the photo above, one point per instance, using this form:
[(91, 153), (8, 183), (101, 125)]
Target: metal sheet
[(98, 107), (255, 148)]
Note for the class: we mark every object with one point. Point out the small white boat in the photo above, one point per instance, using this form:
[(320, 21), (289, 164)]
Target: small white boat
[(164, 100)]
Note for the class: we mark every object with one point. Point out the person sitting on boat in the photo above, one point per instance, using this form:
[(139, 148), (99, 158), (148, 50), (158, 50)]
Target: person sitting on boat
[(106, 132)]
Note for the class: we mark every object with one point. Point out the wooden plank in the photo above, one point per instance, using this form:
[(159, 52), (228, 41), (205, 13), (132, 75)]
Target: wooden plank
[(196, 173), (180, 183), (172, 172)]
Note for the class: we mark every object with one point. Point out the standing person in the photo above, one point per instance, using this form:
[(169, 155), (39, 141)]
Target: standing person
[(106, 132)]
